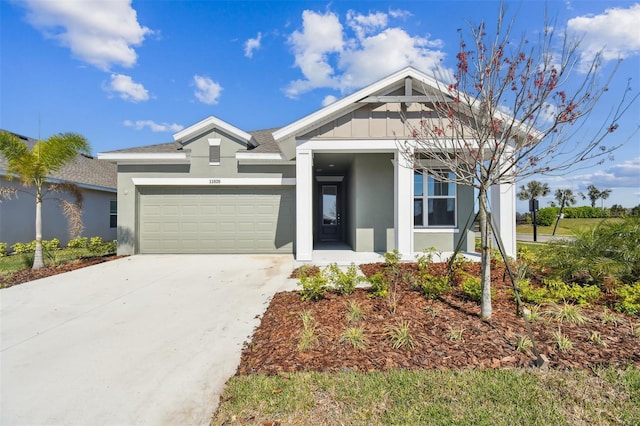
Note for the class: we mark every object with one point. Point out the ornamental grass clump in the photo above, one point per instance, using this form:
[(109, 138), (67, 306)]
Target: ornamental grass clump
[(400, 336)]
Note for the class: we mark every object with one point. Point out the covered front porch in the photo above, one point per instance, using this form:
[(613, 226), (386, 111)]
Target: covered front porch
[(352, 196)]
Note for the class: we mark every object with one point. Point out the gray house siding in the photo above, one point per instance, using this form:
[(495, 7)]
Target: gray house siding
[(17, 216), (370, 212)]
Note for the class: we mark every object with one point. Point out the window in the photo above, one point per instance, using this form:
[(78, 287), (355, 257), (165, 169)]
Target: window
[(434, 201), (214, 152), (113, 214)]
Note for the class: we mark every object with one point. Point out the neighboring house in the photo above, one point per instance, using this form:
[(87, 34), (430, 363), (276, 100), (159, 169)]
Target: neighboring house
[(334, 178), (96, 179)]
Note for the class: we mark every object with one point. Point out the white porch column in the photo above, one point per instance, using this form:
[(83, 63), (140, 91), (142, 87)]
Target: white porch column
[(503, 210), (403, 205), (304, 205)]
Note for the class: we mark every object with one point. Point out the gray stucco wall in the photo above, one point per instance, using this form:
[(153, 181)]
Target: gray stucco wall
[(17, 216), (199, 167), (371, 195)]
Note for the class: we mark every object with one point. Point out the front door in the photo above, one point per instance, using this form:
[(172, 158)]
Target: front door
[(330, 217)]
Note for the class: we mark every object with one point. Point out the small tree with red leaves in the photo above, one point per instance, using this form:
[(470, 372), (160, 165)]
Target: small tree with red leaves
[(513, 109)]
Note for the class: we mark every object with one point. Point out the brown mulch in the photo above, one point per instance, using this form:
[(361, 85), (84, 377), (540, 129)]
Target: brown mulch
[(26, 275), (273, 348)]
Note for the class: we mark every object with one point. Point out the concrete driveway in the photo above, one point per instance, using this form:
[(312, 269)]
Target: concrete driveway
[(143, 340)]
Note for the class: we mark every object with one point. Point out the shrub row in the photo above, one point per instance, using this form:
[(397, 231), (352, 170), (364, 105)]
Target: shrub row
[(95, 245)]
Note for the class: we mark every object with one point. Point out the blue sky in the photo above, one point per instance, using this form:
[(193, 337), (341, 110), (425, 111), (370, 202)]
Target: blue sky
[(128, 73)]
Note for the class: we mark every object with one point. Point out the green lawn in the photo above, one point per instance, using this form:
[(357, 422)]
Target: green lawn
[(18, 262), (478, 397), (565, 227)]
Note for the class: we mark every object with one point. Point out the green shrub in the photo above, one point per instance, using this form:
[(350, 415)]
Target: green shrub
[(379, 284), (47, 245), (50, 245), (554, 291), (585, 212), (78, 243), (546, 216), (99, 247), (433, 286), (609, 250), (392, 258), (314, 287), (425, 259), (344, 282), (530, 294), (472, 288), (21, 248), (3, 249), (629, 299)]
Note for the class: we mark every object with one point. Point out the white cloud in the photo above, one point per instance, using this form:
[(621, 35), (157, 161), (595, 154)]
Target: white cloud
[(153, 126), (399, 13), (251, 45), (332, 56), (328, 100), (127, 89), (320, 36), (207, 90), (101, 33), (621, 175), (366, 24), (616, 32)]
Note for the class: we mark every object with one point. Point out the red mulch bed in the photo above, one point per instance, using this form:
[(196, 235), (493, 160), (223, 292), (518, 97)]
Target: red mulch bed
[(273, 348), (27, 275)]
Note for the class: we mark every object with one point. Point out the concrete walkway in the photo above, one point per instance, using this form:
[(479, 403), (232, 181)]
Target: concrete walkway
[(143, 340)]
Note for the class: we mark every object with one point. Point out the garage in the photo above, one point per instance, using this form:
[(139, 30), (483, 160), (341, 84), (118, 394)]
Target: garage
[(215, 219)]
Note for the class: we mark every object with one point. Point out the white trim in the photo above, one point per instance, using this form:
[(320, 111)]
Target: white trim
[(304, 205), (263, 159), (214, 181), (208, 123), (351, 145), (146, 157), (403, 203), (436, 230), (214, 141)]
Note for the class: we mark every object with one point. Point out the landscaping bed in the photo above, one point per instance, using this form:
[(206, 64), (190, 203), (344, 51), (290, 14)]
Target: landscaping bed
[(9, 279), (446, 332)]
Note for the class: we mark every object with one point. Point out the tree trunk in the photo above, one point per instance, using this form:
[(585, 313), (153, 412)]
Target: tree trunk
[(38, 261), (486, 309)]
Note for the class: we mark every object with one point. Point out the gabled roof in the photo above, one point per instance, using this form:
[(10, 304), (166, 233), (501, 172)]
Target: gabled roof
[(350, 102), (208, 123), (83, 170)]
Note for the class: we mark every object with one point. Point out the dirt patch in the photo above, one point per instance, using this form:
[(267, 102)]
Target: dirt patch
[(26, 275), (447, 333)]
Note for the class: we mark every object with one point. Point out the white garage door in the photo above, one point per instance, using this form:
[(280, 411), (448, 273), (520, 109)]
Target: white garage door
[(215, 220)]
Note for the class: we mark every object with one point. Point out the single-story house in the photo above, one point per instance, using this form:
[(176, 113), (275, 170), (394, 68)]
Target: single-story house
[(97, 181), (334, 178)]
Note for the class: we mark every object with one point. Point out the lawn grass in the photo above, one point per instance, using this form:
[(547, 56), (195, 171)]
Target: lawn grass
[(565, 227), (478, 397)]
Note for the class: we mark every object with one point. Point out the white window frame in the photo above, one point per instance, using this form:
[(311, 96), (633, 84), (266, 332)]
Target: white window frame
[(425, 197), (216, 143)]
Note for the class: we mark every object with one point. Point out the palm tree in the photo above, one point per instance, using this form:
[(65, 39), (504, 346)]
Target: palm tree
[(33, 167), (566, 198), (604, 194), (593, 194), (533, 190)]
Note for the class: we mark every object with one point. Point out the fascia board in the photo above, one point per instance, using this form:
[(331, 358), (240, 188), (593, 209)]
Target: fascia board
[(146, 158), (208, 122)]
